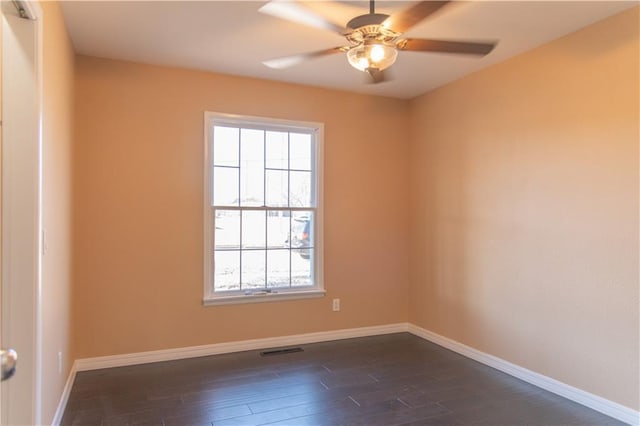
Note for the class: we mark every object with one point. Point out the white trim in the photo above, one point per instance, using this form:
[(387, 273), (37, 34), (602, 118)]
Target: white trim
[(605, 406), (319, 219), (22, 206), (223, 348), (36, 13), (64, 398), (587, 399), (260, 297), (206, 206)]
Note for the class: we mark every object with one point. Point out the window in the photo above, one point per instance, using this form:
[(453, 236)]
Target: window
[(263, 209)]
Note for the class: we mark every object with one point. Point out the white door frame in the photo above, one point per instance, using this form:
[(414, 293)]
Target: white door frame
[(21, 210)]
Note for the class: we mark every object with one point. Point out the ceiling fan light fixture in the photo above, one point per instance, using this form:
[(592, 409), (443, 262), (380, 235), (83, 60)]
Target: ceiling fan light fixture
[(373, 55), (374, 39)]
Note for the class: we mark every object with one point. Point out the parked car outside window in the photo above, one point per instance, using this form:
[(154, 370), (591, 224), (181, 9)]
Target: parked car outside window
[(300, 240)]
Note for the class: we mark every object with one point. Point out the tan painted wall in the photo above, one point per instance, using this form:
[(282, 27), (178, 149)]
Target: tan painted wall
[(138, 208), (57, 129), (524, 210)]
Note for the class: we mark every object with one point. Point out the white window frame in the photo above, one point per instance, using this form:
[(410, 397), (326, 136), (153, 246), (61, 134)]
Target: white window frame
[(222, 298)]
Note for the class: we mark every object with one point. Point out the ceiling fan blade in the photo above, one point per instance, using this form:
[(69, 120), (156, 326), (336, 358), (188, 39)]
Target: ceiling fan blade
[(444, 46), (403, 20), (289, 61), (295, 11)]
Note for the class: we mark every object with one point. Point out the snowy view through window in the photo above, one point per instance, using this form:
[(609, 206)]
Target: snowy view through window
[(264, 208)]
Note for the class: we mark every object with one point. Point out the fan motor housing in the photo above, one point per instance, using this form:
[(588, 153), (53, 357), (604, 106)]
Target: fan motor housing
[(368, 19), (369, 28)]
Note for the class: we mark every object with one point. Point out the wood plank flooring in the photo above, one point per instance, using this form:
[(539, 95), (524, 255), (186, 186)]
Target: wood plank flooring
[(396, 379)]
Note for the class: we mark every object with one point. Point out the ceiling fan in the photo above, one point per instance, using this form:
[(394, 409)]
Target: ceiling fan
[(374, 38)]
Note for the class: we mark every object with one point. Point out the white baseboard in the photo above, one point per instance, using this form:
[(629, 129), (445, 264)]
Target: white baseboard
[(587, 399), (605, 406), (57, 418), (214, 349), (223, 348)]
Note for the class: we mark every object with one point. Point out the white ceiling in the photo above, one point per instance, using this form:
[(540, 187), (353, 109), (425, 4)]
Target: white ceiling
[(232, 37)]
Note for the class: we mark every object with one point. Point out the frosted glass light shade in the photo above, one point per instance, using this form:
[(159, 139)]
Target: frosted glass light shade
[(378, 56)]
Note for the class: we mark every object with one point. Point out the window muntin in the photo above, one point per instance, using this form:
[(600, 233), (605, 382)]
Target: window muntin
[(263, 201)]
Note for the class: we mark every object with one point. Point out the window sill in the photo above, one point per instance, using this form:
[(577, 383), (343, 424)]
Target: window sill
[(262, 297)]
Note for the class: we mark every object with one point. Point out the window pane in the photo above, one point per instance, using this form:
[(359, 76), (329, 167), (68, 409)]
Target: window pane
[(300, 149), (277, 188), (227, 232), (300, 195), (225, 146), (278, 268), (227, 270), (225, 186), (257, 176), (252, 167), (253, 264), (277, 150), (278, 229), (254, 229), (301, 267)]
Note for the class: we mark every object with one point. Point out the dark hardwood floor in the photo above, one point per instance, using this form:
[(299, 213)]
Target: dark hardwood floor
[(396, 379)]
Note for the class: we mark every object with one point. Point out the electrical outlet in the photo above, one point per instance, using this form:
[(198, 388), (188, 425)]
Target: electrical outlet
[(60, 362), (336, 305)]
